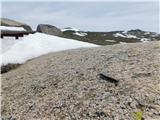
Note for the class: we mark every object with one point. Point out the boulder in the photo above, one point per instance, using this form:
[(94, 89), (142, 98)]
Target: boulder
[(13, 23), (49, 29)]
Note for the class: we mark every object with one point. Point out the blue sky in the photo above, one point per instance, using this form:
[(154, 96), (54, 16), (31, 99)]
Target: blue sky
[(89, 16)]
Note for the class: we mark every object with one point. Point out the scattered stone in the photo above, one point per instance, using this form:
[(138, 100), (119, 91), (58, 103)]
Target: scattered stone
[(109, 79)]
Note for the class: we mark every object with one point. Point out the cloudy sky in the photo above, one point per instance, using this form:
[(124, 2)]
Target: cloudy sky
[(89, 16)]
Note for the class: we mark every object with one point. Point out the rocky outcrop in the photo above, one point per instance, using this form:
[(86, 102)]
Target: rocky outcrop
[(9, 22), (80, 84), (6, 68), (49, 29)]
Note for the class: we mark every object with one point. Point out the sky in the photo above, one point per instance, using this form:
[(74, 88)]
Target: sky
[(88, 16)]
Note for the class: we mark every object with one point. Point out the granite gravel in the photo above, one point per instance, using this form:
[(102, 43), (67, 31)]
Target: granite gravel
[(66, 85)]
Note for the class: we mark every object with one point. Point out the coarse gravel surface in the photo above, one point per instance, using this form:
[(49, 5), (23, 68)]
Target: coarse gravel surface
[(66, 85)]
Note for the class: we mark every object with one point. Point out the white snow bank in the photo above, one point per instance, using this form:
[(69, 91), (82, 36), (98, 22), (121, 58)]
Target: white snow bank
[(38, 44), (12, 28), (6, 43)]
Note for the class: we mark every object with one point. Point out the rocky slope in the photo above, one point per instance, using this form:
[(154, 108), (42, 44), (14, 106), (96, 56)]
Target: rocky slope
[(73, 85), (113, 37), (100, 38), (13, 23)]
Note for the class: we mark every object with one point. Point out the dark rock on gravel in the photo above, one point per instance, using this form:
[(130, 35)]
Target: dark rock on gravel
[(8, 67)]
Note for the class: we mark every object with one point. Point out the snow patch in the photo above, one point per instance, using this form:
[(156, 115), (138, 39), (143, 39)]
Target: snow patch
[(146, 33), (82, 34), (37, 44), (145, 39), (131, 36), (12, 28), (122, 42), (76, 31), (119, 35), (110, 40), (69, 29), (125, 35)]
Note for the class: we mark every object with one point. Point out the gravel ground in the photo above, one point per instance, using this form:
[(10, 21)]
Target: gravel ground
[(68, 85)]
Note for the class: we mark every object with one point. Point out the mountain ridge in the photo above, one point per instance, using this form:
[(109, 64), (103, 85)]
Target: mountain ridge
[(99, 38)]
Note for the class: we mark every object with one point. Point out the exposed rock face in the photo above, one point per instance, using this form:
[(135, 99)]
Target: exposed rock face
[(9, 22), (49, 29), (65, 85)]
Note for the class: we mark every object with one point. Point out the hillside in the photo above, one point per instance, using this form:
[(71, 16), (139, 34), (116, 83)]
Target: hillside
[(100, 38), (73, 84), (110, 38)]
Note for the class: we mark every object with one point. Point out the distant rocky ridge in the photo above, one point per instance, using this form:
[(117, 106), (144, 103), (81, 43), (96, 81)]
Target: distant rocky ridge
[(100, 38), (113, 37)]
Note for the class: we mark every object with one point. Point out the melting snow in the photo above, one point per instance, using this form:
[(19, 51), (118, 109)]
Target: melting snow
[(82, 34), (77, 32), (122, 42), (67, 29), (110, 40), (12, 28), (146, 33), (35, 45), (125, 36), (131, 36), (144, 39), (119, 35)]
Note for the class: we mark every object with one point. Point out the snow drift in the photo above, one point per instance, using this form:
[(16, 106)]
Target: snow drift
[(37, 44), (12, 28)]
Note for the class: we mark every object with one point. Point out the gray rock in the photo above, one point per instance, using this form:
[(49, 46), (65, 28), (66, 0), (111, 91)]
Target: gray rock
[(13, 23), (49, 29)]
